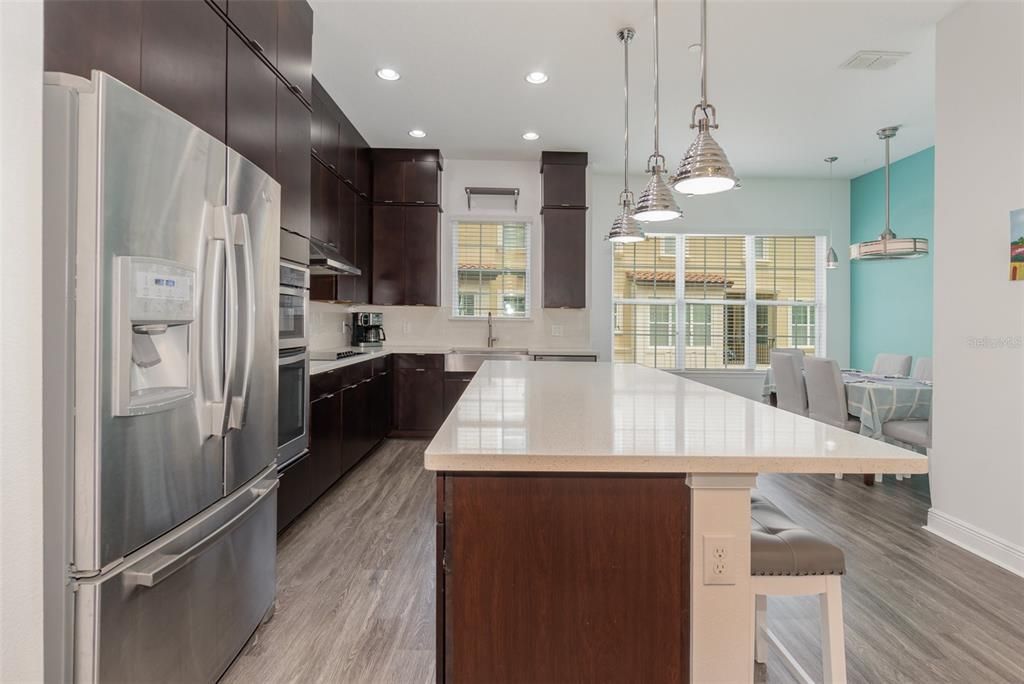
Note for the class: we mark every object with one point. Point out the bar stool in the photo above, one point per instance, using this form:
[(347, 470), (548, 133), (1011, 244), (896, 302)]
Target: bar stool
[(787, 560)]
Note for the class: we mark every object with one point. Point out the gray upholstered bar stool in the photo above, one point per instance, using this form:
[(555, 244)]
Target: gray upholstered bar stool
[(787, 560)]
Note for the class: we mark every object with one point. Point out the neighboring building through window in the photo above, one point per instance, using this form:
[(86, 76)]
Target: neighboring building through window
[(491, 269), (738, 297)]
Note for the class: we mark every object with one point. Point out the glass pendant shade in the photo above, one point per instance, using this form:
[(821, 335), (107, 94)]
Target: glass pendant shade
[(832, 260), (704, 169), (656, 202), (625, 227)]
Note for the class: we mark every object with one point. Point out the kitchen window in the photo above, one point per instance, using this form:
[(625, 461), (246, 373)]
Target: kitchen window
[(491, 269), (738, 297)]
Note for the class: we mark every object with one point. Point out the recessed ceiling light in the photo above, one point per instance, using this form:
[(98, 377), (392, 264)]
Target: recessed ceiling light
[(530, 135), (417, 133), (388, 74), (536, 77)]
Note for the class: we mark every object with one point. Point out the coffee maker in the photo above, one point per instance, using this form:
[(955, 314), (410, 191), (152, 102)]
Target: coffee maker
[(367, 329)]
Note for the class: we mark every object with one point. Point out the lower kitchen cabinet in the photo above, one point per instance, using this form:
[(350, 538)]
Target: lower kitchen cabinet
[(419, 399), (295, 490), (325, 441), (455, 383)]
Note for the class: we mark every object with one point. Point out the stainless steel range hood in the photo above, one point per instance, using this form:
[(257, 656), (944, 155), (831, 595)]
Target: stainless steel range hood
[(325, 259)]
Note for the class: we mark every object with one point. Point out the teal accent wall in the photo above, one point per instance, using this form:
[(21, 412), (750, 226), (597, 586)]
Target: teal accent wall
[(891, 301)]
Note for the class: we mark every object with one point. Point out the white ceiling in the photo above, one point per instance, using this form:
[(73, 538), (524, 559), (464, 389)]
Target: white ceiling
[(783, 102)]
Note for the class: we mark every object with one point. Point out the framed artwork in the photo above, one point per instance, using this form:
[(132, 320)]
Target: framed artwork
[(1017, 244)]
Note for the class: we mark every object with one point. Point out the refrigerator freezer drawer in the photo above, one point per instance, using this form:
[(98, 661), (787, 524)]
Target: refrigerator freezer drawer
[(183, 607)]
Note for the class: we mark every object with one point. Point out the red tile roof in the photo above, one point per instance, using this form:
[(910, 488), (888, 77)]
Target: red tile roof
[(670, 277)]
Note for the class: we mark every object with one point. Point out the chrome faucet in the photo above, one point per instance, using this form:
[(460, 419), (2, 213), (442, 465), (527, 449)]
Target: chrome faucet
[(491, 339)]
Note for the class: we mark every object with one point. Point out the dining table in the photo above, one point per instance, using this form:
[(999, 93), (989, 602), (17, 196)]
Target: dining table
[(877, 399)]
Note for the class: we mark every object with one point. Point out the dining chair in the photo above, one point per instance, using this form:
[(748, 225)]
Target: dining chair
[(826, 394), (923, 369), (892, 364), (795, 352), (789, 383)]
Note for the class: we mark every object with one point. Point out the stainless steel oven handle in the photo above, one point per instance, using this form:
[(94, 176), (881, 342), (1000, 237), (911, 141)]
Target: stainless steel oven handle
[(168, 565), (293, 291), (285, 360)]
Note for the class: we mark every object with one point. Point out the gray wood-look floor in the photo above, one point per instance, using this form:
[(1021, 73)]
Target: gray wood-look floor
[(356, 587)]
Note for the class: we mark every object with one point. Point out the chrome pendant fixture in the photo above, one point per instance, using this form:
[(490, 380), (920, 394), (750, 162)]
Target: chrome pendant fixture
[(656, 202), (888, 245), (704, 169), (626, 228), (831, 259)]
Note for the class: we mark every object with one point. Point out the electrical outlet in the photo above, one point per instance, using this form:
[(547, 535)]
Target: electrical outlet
[(556, 331), (719, 561)]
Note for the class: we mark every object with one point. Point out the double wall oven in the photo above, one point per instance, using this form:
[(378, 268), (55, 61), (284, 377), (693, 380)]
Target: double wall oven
[(293, 364)]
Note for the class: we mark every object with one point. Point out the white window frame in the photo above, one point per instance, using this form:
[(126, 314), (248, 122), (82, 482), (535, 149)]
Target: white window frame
[(453, 266), (750, 302)]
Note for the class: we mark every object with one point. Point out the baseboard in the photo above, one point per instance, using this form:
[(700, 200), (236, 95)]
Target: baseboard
[(1005, 554)]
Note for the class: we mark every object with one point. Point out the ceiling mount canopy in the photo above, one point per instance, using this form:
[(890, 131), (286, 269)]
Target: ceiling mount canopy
[(625, 228), (656, 202), (704, 169), (888, 245)]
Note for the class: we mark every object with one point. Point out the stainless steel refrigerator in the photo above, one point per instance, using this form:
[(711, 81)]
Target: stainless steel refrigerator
[(161, 388)]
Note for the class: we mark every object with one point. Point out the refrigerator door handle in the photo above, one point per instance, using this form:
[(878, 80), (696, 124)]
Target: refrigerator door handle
[(215, 320), (239, 403), (166, 565)]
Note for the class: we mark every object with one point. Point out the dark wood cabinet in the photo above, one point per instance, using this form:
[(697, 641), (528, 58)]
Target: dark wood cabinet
[(364, 168), (564, 179), (295, 46), (348, 142), (419, 394), (364, 251), (388, 255), (407, 176), (325, 441), (421, 255), (346, 221), (257, 19), (292, 161), (251, 106), (323, 204), (381, 401), (319, 122), (565, 258), (354, 415), (295, 491), (103, 34), (455, 383), (184, 61)]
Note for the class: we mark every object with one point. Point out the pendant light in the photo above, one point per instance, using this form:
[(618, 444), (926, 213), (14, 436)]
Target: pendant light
[(888, 246), (656, 202), (626, 228), (831, 259), (704, 169)]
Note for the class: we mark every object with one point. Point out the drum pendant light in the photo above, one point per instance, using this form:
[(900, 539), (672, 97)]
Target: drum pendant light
[(626, 228), (704, 169), (888, 246), (656, 202), (831, 259)]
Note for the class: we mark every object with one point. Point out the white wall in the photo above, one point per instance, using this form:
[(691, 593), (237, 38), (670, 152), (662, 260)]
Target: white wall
[(21, 494), (776, 206), (977, 463), (433, 325)]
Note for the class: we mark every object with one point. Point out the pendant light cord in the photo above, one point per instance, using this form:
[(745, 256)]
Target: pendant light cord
[(625, 145), (888, 229), (657, 120), (830, 160), (704, 56)]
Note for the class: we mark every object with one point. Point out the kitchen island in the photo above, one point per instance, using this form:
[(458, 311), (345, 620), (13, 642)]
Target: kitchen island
[(574, 505)]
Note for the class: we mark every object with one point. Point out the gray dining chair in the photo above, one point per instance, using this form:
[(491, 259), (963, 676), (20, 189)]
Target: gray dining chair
[(790, 391), (795, 352), (892, 364), (914, 433), (923, 369), (826, 394)]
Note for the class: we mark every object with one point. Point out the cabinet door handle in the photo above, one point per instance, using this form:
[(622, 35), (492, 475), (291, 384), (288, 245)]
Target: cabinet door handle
[(314, 151), (420, 202), (332, 167), (256, 45), (297, 90), (467, 379), (421, 370)]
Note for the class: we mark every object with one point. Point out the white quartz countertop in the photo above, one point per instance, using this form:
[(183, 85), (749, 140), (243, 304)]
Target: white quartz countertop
[(602, 417), (365, 355)]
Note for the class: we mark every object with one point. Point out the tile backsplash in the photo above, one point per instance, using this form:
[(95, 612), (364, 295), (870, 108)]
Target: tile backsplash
[(406, 325)]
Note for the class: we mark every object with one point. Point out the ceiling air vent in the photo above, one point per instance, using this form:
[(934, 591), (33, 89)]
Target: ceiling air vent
[(873, 60)]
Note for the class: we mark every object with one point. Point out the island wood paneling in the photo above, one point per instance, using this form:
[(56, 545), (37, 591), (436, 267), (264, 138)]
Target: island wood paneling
[(565, 578)]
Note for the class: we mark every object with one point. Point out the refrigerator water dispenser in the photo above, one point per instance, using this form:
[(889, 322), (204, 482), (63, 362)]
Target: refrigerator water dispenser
[(154, 311)]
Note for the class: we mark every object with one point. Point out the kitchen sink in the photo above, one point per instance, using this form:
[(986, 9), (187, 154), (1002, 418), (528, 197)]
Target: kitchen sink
[(470, 359)]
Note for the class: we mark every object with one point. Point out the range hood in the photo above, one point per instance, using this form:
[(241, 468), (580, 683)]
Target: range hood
[(325, 259)]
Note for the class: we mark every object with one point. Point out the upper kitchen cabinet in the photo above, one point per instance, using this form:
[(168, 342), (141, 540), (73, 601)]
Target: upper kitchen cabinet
[(257, 19), (295, 46), (348, 142), (251, 106), (364, 250), (564, 176), (407, 176), (184, 61), (405, 255), (293, 172), (103, 34), (565, 258), (364, 167)]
